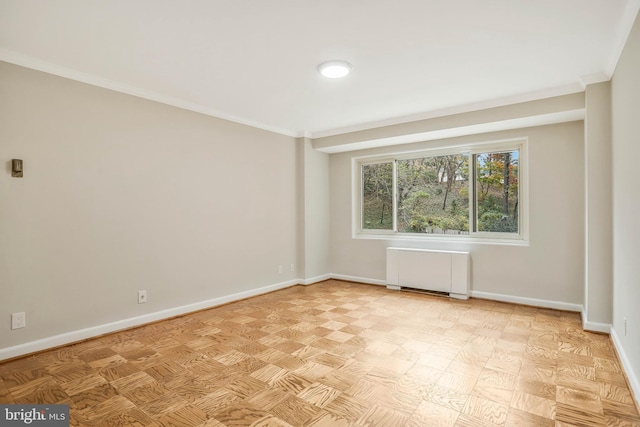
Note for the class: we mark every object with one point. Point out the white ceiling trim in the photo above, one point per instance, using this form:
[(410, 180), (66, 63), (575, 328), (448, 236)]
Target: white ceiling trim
[(47, 67), (594, 78), (522, 122)]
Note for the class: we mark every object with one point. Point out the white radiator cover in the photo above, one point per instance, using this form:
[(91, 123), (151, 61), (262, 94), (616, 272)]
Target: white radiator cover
[(441, 271)]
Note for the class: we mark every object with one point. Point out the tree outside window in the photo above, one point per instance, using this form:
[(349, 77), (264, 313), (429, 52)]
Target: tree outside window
[(497, 191), (451, 194)]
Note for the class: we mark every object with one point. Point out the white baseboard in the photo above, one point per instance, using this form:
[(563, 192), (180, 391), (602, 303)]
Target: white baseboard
[(316, 279), (558, 305), (632, 376), (594, 326), (94, 331), (359, 279)]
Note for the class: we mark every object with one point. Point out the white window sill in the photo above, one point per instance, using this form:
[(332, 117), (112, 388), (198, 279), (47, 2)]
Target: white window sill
[(449, 238)]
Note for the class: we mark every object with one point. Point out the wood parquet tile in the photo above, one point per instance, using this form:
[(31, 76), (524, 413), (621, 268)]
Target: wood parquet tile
[(337, 354)]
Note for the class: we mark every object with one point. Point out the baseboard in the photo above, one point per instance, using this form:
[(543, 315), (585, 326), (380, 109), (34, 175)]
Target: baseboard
[(94, 331), (594, 326), (316, 279), (358, 279), (604, 328), (558, 305), (627, 367)]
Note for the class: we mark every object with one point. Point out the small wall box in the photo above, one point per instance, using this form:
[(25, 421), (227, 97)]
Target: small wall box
[(16, 168)]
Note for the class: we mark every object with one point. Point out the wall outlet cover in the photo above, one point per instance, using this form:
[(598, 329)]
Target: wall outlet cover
[(18, 320)]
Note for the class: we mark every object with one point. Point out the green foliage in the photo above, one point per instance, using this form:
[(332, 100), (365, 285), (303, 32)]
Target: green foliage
[(497, 222), (458, 222), (431, 198), (377, 192), (433, 193), (497, 190), (418, 223), (439, 224), (455, 209)]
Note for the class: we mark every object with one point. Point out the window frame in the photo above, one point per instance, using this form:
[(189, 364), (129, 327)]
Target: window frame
[(520, 238)]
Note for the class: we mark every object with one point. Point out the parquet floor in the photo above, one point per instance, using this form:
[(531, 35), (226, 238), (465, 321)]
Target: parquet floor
[(337, 354)]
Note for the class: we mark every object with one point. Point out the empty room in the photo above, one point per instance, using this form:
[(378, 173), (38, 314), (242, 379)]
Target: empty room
[(302, 213)]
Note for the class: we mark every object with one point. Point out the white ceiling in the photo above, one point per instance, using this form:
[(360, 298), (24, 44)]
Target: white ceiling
[(254, 61)]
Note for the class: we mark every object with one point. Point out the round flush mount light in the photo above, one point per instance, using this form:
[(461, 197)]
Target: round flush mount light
[(334, 69)]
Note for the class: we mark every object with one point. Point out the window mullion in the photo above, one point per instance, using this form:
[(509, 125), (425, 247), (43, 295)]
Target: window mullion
[(473, 189), (362, 227), (395, 196)]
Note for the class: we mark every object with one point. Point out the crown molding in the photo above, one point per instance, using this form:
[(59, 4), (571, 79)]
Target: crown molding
[(68, 73)]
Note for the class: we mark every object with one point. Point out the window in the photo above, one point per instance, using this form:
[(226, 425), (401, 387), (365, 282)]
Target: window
[(473, 191), (433, 195), (496, 191), (377, 196)]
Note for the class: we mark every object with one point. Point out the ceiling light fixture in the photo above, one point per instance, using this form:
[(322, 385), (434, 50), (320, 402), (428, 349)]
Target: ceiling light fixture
[(334, 69)]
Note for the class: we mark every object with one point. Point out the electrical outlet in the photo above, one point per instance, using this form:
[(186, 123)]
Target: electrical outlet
[(18, 320), (293, 267), (142, 297), (280, 269), (625, 326)]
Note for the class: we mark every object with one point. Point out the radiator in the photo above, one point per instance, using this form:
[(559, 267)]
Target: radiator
[(439, 271)]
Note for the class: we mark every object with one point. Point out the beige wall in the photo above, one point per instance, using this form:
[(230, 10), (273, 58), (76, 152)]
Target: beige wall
[(122, 194), (598, 211), (316, 212), (625, 107), (551, 268)]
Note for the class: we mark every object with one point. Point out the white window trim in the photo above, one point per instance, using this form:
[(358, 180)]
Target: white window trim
[(519, 239)]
